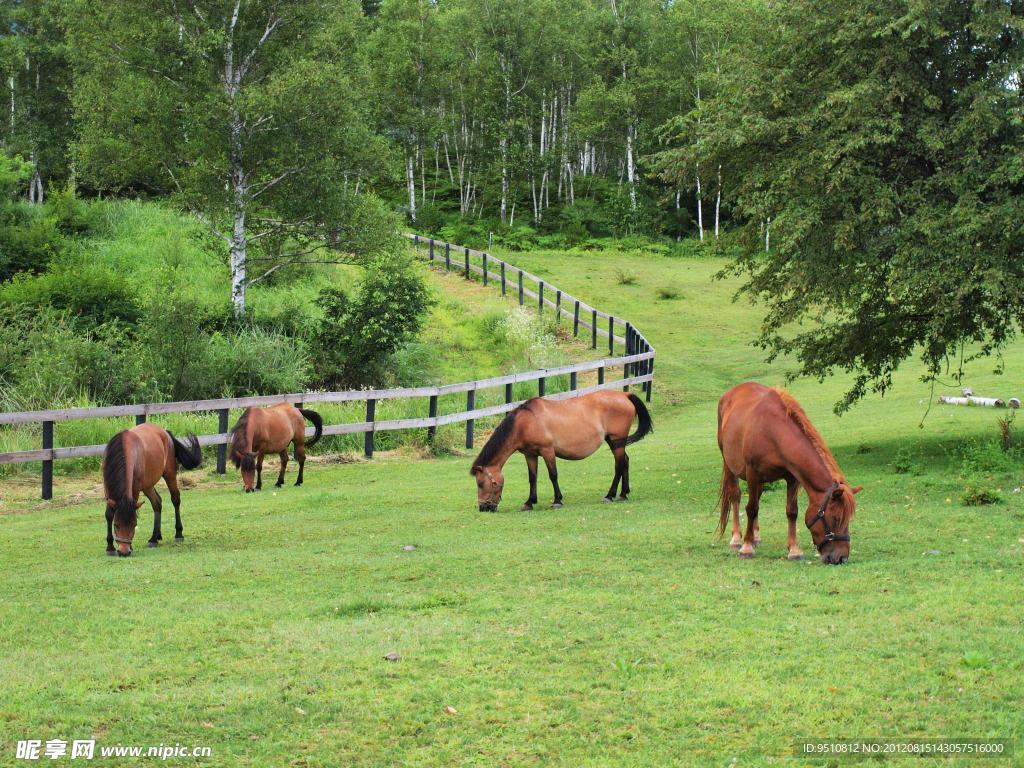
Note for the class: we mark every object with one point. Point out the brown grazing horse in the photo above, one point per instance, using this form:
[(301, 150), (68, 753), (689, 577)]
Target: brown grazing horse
[(269, 430), (133, 463), (563, 429), (764, 435)]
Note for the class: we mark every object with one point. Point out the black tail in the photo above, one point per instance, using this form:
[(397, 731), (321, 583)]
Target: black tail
[(318, 425), (188, 453), (646, 425)]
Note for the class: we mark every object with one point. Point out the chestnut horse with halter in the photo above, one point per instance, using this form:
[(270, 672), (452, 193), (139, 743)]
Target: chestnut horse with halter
[(269, 430), (133, 462), (564, 429), (764, 435)]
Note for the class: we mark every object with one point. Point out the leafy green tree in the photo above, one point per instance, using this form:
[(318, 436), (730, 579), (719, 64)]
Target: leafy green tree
[(252, 114), (880, 146)]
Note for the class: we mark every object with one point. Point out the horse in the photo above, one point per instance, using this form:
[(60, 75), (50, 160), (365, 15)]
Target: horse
[(259, 431), (563, 429), (765, 435), (133, 462)]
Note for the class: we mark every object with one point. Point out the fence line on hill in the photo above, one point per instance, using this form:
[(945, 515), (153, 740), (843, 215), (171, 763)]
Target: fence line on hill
[(637, 365)]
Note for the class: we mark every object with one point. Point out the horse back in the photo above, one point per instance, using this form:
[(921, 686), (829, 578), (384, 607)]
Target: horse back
[(151, 453), (749, 418)]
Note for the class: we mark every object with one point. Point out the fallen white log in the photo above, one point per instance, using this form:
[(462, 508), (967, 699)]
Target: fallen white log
[(992, 402)]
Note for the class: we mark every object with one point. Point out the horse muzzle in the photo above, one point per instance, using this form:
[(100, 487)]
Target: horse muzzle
[(488, 506)]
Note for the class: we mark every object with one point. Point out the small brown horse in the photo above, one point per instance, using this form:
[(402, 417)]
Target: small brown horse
[(133, 462), (565, 429), (269, 430), (764, 435)]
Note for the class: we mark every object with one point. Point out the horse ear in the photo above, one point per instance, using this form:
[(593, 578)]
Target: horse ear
[(857, 489), (837, 494), (476, 470)]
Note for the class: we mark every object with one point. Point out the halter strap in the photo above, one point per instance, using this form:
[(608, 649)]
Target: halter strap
[(830, 535), (494, 485)]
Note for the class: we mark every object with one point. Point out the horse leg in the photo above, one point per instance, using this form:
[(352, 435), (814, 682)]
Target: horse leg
[(157, 504), (792, 510), (753, 503), (110, 532), (732, 498), (259, 471), (617, 453), (549, 459), (172, 485), (300, 456), (531, 468), (625, 476), (284, 463)]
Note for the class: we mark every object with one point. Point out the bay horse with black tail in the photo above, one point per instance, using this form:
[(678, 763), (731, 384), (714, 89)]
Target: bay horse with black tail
[(133, 462), (764, 435), (561, 429), (260, 431)]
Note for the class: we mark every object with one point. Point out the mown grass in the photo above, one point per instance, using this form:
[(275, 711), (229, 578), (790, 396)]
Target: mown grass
[(597, 634)]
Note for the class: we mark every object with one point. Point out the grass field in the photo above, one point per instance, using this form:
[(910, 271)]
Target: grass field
[(594, 635)]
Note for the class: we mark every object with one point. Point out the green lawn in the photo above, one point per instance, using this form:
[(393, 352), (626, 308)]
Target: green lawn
[(594, 635)]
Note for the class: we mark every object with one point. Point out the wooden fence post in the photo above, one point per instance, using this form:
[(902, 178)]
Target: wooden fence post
[(540, 387), (470, 397), (572, 381), (140, 418), (432, 430), (649, 369), (611, 336), (503, 278), (447, 257), (222, 449), (416, 242), (47, 463), (540, 298), (431, 249), (466, 275), (371, 409), (485, 268), (600, 375), (520, 287), (508, 393), (558, 306), (593, 329), (576, 319)]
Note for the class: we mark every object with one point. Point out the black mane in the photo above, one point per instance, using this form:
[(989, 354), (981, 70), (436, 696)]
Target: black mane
[(238, 447), (115, 479), (498, 438)]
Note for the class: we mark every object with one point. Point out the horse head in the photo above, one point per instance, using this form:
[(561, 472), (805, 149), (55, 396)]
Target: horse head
[(489, 484), (829, 522)]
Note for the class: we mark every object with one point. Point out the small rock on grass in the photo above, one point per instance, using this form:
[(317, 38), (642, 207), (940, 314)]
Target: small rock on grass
[(408, 547), (450, 710), (392, 656)]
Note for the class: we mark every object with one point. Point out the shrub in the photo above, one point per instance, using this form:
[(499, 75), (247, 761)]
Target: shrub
[(975, 495), (667, 294), (89, 293)]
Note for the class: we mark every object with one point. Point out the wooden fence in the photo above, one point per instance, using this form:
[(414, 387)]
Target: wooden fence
[(636, 362)]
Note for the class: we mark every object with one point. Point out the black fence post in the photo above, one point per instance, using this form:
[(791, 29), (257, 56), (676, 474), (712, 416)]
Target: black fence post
[(467, 263), (576, 319), (540, 387), (222, 449), (649, 369), (540, 298), (470, 398), (520, 287), (371, 409), (140, 418), (447, 256), (432, 429), (572, 381), (431, 241), (416, 242), (485, 268), (503, 278), (558, 306), (593, 329), (600, 375), (508, 393), (47, 463), (611, 336)]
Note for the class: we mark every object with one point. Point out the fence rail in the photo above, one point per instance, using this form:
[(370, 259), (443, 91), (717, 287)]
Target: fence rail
[(637, 364)]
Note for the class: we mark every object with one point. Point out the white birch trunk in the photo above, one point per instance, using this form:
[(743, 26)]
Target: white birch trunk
[(410, 181), (700, 210), (630, 166), (718, 200)]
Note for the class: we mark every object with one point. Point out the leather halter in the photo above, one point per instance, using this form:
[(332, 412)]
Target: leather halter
[(494, 487), (830, 535)]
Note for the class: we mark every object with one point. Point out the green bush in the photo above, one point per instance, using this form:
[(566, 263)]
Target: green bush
[(90, 293)]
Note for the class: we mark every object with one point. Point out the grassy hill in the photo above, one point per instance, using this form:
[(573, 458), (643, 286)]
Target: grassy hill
[(597, 634)]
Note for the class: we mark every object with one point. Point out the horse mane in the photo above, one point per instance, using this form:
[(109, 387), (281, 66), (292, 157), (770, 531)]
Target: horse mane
[(239, 449), (498, 438), (115, 479), (799, 417)]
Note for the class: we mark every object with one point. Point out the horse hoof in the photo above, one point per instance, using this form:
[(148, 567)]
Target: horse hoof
[(607, 499), (179, 537), (298, 483), (796, 557), (526, 508), (557, 505), (735, 544), (757, 542), (746, 555), (152, 543), (623, 498)]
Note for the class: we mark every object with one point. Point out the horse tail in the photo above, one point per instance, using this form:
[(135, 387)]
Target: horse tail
[(646, 424), (725, 497), (318, 425), (188, 452)]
